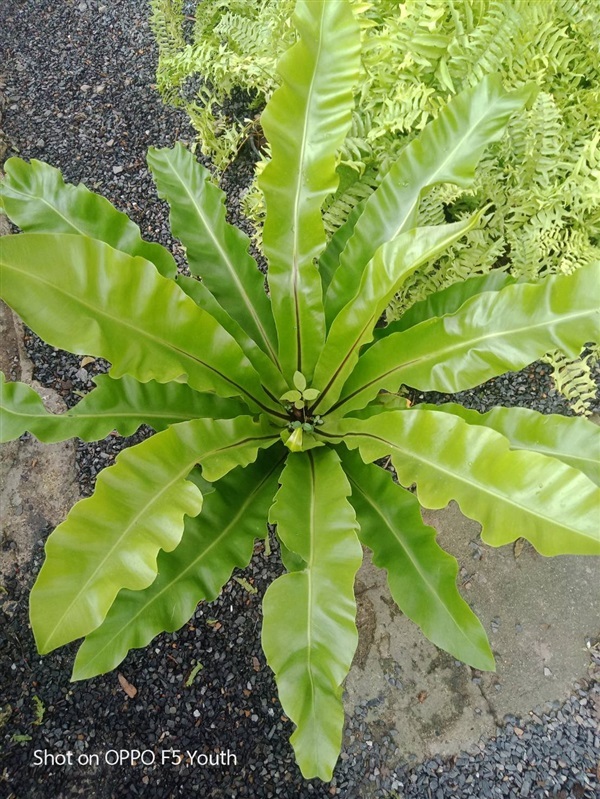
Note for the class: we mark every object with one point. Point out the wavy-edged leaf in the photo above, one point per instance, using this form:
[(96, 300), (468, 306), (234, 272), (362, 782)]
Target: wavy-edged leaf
[(215, 250), (36, 198), (490, 334), (309, 633), (447, 301), (421, 575), (82, 295), (121, 404), (572, 440), (111, 540), (305, 122), (269, 373), (446, 151), (213, 544), (511, 493), (354, 325)]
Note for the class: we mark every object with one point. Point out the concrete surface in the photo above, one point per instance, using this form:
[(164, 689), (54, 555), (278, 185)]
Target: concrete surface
[(38, 482), (541, 615)]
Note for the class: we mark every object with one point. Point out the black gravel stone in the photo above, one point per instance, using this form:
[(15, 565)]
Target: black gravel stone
[(79, 95)]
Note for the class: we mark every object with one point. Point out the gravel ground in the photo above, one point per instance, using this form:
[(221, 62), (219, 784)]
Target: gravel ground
[(78, 88)]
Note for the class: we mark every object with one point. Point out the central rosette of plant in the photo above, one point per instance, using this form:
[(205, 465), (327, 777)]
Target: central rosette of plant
[(296, 402)]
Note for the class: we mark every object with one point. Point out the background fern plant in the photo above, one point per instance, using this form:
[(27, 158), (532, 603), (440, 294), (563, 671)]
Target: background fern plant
[(541, 180), (229, 47)]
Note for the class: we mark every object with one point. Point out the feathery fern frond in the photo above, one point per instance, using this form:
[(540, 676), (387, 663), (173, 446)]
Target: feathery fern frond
[(166, 21), (573, 379)]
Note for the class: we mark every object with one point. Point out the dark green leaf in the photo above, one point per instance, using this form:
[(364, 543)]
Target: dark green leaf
[(213, 544), (421, 576)]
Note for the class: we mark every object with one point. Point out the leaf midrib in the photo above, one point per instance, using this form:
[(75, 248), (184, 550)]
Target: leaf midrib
[(310, 587), (473, 483), (415, 562), (230, 268), (118, 321), (215, 542), (54, 417), (462, 344)]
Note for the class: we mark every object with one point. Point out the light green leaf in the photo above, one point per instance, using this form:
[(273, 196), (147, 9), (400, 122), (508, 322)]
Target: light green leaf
[(123, 405), (246, 585), (383, 402), (213, 544), (490, 334), (572, 440), (383, 276), (86, 297), (36, 198), (272, 378), (193, 674), (111, 540), (299, 381), (305, 612), (310, 393), (305, 122), (421, 576), (294, 441), (446, 301), (446, 151), (215, 250), (291, 560), (291, 396), (512, 494)]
